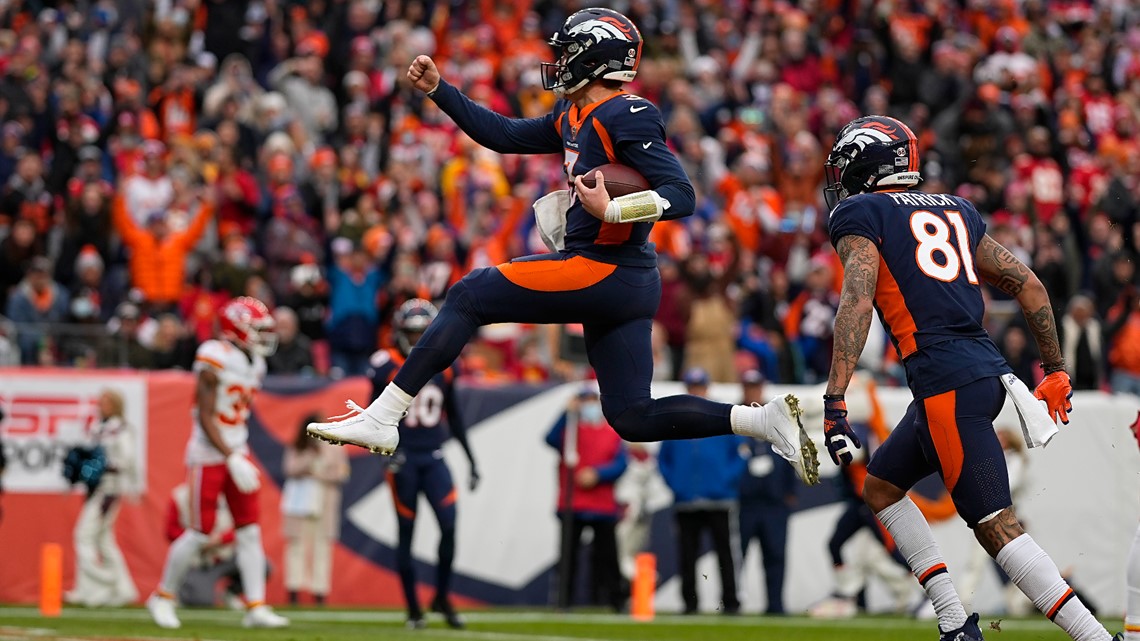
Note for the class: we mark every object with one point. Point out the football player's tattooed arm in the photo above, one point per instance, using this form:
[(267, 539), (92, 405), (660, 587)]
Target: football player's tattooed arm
[(495, 131), (1004, 271), (207, 393), (860, 259)]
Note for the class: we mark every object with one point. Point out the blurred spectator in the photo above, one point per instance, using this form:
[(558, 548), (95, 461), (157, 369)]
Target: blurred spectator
[(310, 505), (170, 347), (592, 459), (102, 578), (301, 81), (294, 353), (354, 287), (1124, 342), (158, 254), (635, 489), (150, 190), (811, 317), (93, 296), (1082, 344), (16, 253), (767, 495), (704, 475), (308, 297), (37, 301), (1022, 357), (709, 340), (124, 349)]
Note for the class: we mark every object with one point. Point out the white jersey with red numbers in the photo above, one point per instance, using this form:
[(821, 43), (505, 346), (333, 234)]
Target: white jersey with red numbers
[(239, 377)]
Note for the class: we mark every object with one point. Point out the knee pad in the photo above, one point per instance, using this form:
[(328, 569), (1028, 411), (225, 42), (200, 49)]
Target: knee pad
[(460, 297)]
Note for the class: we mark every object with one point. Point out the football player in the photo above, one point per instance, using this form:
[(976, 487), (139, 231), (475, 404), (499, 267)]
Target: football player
[(229, 372), (418, 466), (604, 277), (919, 259)]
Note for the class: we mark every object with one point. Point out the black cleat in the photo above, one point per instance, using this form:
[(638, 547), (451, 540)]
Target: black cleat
[(968, 632), (443, 606)]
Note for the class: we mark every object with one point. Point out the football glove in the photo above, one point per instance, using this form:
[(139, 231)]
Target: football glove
[(243, 472), (837, 431), (473, 479), (1056, 390)]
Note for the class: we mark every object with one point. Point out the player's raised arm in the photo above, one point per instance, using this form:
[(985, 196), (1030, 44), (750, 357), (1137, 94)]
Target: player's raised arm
[(494, 131), (1003, 270)]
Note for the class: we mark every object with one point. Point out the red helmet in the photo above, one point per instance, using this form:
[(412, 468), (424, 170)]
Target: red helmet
[(247, 322)]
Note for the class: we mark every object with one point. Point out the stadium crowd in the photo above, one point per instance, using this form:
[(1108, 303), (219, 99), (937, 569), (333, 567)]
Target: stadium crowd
[(157, 158)]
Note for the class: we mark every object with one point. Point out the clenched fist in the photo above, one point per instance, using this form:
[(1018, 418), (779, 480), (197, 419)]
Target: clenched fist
[(423, 74)]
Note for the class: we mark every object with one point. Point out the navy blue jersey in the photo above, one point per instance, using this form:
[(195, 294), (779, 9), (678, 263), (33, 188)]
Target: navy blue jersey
[(432, 418), (929, 294), (623, 128)]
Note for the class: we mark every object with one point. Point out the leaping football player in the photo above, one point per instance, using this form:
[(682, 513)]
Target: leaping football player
[(604, 275), (920, 259), (229, 372)]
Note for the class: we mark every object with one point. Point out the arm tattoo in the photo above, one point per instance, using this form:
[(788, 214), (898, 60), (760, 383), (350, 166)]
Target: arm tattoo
[(853, 318), (1044, 328), (995, 533), (1001, 268), (1004, 271)]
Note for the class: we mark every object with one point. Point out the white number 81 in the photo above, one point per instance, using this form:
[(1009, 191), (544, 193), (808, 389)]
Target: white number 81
[(933, 235)]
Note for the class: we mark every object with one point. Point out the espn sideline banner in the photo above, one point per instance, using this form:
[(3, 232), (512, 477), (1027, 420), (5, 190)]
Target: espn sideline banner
[(1081, 504)]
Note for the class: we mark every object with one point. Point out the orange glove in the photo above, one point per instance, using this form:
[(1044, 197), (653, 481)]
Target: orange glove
[(1056, 390)]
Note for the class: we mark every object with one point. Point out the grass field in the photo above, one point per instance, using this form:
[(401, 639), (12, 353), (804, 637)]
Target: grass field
[(351, 625)]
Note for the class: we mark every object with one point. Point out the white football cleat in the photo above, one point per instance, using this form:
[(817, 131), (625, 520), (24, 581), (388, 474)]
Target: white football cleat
[(263, 616), (162, 611), (833, 607), (787, 436), (357, 427)]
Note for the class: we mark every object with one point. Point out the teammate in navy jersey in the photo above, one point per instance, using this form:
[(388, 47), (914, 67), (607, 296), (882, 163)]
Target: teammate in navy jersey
[(919, 259), (605, 275), (418, 466)]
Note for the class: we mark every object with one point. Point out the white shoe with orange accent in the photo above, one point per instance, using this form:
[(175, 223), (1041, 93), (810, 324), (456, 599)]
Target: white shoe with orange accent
[(162, 611), (263, 616), (359, 428)]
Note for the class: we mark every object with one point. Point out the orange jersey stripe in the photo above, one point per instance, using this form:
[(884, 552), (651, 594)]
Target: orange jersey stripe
[(614, 233), (942, 423), (604, 136), (1061, 601), (567, 275), (890, 300)]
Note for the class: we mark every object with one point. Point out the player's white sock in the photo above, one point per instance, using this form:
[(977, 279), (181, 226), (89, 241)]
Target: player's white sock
[(1132, 616), (182, 553), (389, 407), (251, 563), (916, 542), (749, 420), (1035, 573)]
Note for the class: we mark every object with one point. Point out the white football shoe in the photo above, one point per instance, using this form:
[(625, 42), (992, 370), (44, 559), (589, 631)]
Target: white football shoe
[(357, 427), (263, 616), (834, 607), (162, 611), (778, 422)]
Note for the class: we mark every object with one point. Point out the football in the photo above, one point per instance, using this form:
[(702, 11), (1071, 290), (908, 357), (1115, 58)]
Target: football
[(621, 180)]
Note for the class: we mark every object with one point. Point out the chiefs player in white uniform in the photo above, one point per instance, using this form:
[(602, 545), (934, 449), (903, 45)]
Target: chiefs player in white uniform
[(229, 372)]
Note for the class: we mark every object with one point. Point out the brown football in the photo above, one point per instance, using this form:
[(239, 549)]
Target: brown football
[(620, 180)]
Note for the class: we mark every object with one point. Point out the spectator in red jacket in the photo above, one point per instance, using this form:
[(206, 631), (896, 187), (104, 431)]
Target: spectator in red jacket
[(593, 458)]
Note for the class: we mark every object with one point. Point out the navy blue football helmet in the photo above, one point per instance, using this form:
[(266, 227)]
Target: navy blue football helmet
[(410, 321), (871, 153), (593, 43)]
